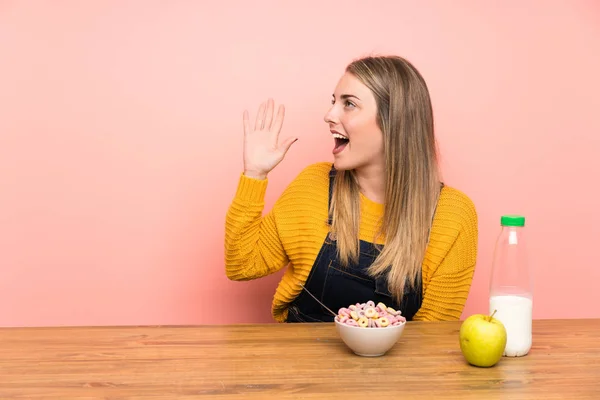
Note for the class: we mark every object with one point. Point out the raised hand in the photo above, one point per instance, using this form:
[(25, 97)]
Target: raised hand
[(262, 148)]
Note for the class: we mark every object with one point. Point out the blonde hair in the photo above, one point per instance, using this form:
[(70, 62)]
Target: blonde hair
[(405, 116)]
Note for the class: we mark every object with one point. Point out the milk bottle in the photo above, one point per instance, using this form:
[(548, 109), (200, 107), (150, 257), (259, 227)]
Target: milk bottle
[(511, 288)]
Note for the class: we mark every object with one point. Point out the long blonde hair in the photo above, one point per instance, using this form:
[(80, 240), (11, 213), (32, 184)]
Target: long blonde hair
[(405, 116)]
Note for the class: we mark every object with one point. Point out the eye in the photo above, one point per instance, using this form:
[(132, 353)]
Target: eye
[(348, 103)]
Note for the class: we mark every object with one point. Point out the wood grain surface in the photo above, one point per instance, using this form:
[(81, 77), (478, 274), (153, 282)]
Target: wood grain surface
[(288, 361)]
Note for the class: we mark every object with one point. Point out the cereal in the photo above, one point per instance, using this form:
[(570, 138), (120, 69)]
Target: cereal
[(370, 315), (391, 311)]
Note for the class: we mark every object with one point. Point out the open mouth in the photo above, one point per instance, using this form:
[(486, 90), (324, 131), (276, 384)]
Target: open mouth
[(340, 142)]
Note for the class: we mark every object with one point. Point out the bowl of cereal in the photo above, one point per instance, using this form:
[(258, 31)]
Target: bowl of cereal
[(369, 329)]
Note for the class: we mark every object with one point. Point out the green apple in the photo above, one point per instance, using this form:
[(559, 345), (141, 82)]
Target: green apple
[(482, 340)]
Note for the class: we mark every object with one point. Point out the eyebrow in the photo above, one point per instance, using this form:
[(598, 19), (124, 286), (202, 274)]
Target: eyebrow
[(347, 96)]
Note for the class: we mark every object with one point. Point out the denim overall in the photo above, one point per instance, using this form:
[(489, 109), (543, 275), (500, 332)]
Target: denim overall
[(337, 286)]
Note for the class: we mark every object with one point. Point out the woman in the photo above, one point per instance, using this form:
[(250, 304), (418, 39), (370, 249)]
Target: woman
[(376, 225)]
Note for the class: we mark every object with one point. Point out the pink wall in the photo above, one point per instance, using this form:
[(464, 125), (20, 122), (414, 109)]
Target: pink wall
[(121, 135)]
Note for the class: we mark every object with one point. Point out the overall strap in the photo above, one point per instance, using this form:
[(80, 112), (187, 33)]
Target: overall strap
[(332, 174)]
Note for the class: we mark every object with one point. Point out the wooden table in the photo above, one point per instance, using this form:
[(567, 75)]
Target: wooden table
[(284, 361)]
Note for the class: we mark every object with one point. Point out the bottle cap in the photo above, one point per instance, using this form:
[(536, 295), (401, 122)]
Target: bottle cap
[(512, 220)]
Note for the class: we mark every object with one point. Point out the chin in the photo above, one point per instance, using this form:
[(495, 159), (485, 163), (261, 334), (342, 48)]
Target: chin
[(342, 166), (339, 165)]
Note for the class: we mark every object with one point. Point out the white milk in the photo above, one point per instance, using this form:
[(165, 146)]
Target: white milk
[(515, 312)]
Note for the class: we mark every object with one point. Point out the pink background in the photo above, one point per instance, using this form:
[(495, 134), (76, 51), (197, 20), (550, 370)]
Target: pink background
[(121, 140)]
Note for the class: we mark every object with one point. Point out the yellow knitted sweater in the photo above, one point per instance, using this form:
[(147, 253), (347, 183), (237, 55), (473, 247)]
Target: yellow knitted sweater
[(293, 232)]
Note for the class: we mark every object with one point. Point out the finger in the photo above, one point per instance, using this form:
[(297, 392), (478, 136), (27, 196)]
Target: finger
[(269, 116), (260, 117), (285, 146), (246, 123), (276, 127)]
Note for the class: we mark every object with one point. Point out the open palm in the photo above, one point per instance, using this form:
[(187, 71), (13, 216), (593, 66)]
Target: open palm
[(262, 148)]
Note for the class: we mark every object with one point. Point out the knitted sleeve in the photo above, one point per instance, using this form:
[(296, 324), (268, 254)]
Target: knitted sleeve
[(257, 245), (446, 287), (253, 248)]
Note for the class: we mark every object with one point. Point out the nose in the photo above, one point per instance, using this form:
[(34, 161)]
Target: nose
[(331, 116)]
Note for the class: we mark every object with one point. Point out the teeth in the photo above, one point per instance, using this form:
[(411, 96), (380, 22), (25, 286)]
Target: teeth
[(338, 136)]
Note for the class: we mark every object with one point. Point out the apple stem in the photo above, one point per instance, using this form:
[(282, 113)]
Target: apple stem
[(492, 316)]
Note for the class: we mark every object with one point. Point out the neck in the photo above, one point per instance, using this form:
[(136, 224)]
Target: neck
[(371, 180)]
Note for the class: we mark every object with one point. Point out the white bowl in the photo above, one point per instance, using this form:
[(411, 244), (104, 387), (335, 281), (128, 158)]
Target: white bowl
[(369, 342)]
